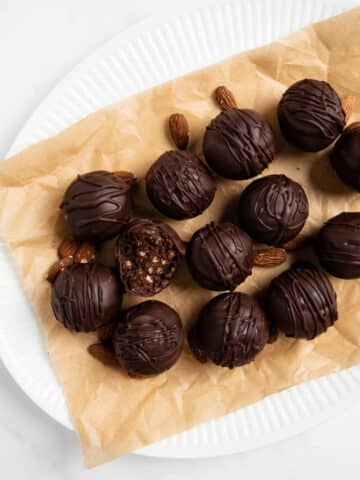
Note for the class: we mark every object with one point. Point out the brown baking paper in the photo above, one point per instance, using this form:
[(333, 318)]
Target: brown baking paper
[(112, 413)]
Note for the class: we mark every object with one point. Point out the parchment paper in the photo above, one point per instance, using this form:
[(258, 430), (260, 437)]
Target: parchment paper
[(114, 414)]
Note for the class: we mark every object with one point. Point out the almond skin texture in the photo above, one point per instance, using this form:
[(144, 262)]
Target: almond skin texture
[(128, 177), (269, 257), (300, 241), (224, 98), (179, 130), (67, 248), (348, 102), (58, 267), (85, 253)]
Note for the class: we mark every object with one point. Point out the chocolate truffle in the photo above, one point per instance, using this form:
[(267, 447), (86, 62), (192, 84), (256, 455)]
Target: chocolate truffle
[(345, 157), (179, 185), (97, 205), (273, 209), (85, 297), (148, 338), (239, 144), (301, 302), (148, 253), (231, 330), (338, 245), (220, 257), (311, 115)]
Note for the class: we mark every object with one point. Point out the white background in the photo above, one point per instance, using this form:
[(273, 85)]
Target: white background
[(40, 41)]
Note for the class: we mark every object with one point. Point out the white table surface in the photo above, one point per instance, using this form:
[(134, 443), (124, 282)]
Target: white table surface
[(40, 41)]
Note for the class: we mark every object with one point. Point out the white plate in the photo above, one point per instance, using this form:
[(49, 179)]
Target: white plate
[(130, 63)]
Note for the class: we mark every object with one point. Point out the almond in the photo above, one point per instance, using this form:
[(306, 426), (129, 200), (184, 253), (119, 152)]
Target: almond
[(105, 354), (128, 177), (269, 257), (299, 241), (58, 267), (67, 248), (85, 253), (105, 333), (348, 103), (224, 98), (179, 130)]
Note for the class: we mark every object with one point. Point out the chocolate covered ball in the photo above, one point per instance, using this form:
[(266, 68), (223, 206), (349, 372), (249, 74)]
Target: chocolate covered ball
[(239, 144), (310, 115), (179, 185), (148, 253), (97, 205), (301, 302), (148, 338), (338, 245), (220, 257), (345, 156), (86, 297), (273, 209), (231, 330)]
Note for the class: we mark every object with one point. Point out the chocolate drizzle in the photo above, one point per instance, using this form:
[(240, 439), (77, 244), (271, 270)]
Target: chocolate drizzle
[(239, 144), (148, 338), (85, 297), (302, 302), (345, 157), (97, 205), (273, 209), (220, 257), (338, 245), (179, 185), (232, 329), (311, 115)]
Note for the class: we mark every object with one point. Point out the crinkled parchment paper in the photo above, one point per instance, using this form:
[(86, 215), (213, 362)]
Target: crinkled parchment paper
[(114, 414)]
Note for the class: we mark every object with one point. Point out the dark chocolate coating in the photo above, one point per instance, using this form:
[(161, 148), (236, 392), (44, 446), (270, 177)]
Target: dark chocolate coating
[(273, 209), (338, 245), (179, 185), (239, 144), (85, 297), (97, 205), (345, 156), (301, 302), (148, 253), (231, 329), (220, 257), (148, 338), (311, 115)]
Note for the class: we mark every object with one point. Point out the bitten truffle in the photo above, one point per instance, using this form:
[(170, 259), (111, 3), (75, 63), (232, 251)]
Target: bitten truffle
[(86, 297), (97, 205), (148, 338), (338, 245), (220, 257), (148, 253), (301, 302), (231, 330), (345, 156), (179, 185), (239, 144), (311, 115), (273, 209)]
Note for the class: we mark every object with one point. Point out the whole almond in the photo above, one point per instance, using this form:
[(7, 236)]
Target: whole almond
[(348, 103), (103, 353), (58, 267), (295, 243), (67, 248), (269, 257), (179, 130), (224, 98), (128, 177), (85, 253)]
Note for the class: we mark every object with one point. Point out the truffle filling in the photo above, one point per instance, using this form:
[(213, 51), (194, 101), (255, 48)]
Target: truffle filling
[(148, 260)]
